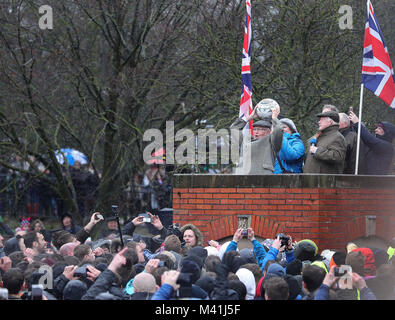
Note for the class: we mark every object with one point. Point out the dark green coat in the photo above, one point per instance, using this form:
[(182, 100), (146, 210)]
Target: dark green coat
[(330, 155)]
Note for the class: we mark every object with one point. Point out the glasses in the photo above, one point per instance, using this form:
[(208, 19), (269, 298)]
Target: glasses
[(261, 129)]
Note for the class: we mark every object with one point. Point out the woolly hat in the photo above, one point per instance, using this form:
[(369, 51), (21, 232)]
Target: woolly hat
[(276, 269), (294, 267), (338, 258), (199, 261), (248, 255), (306, 250), (235, 263), (198, 251), (294, 286), (25, 223), (190, 271), (74, 290)]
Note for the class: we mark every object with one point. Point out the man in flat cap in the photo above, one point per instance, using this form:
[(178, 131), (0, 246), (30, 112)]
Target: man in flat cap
[(327, 151), (259, 149)]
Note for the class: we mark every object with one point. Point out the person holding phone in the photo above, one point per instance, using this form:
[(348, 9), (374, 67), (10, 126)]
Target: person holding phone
[(378, 147)]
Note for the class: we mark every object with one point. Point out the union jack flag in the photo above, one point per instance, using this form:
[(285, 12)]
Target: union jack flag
[(246, 95), (377, 71)]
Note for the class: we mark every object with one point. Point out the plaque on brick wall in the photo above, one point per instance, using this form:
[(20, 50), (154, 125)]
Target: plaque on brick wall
[(243, 221)]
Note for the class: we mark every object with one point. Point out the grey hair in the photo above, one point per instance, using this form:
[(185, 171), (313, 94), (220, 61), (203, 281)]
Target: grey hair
[(330, 107), (344, 118)]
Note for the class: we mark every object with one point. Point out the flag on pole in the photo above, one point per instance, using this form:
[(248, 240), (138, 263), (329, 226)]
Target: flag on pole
[(246, 95), (377, 71)]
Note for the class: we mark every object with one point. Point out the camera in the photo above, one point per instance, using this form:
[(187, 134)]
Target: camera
[(146, 217), (339, 272), (284, 239), (161, 264), (80, 272), (98, 216), (37, 292), (244, 233)]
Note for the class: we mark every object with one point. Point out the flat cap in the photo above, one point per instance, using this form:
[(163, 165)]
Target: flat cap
[(262, 123), (330, 114)]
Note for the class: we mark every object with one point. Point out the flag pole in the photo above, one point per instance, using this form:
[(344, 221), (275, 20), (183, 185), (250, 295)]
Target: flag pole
[(359, 129)]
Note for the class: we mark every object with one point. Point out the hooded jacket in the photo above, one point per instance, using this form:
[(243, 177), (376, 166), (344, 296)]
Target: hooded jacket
[(196, 231), (247, 277), (378, 149), (330, 155), (369, 266), (291, 154)]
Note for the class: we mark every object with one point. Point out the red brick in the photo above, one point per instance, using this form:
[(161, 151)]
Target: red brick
[(220, 195), (188, 195), (236, 196), (244, 190), (253, 196), (302, 196), (269, 196), (204, 196), (200, 206)]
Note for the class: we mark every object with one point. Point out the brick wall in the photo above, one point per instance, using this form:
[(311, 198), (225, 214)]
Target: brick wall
[(330, 210)]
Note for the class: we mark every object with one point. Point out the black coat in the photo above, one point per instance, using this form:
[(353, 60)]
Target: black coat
[(378, 150)]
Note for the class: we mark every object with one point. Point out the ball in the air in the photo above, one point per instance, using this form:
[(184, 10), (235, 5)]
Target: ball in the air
[(265, 108)]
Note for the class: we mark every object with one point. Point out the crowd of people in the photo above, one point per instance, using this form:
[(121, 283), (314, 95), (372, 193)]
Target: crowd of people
[(176, 263), (276, 146), (24, 195)]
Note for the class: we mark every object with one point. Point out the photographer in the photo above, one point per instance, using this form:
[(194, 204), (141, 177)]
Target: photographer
[(331, 282), (280, 244)]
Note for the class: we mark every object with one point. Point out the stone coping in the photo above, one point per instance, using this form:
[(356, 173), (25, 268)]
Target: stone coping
[(283, 181)]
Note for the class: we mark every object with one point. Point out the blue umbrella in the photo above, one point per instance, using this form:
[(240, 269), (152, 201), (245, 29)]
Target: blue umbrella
[(71, 156)]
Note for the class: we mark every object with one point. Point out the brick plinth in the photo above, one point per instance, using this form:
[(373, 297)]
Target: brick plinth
[(328, 209)]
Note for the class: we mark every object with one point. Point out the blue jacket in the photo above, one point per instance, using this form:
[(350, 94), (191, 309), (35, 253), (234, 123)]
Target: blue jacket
[(291, 154), (261, 255)]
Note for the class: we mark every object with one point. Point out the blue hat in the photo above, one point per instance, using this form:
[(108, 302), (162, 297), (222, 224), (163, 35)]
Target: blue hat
[(276, 269)]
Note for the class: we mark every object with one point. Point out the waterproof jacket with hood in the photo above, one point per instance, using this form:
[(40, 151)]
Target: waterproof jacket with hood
[(378, 149), (196, 231), (291, 154), (369, 266), (330, 155)]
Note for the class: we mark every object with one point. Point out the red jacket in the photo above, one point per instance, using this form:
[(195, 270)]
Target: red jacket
[(369, 267)]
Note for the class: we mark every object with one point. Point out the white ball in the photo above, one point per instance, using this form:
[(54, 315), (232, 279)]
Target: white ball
[(266, 107)]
